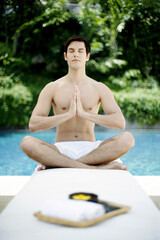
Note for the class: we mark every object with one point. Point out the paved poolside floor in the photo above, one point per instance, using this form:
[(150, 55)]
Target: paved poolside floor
[(11, 185)]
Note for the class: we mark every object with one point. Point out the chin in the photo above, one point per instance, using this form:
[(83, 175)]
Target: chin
[(76, 67)]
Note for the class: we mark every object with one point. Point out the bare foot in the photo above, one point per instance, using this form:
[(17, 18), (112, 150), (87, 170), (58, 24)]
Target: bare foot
[(113, 165), (43, 167)]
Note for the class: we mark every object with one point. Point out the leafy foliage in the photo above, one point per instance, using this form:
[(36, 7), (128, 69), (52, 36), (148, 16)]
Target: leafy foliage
[(141, 104), (125, 46), (130, 80), (15, 101)]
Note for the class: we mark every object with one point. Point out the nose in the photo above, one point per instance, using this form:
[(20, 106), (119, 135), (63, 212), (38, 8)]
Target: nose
[(76, 54)]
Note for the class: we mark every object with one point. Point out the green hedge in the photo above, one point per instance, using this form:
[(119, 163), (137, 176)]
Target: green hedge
[(17, 102), (15, 105), (142, 105)]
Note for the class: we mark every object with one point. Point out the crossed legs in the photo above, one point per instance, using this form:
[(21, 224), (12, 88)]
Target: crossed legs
[(48, 155), (109, 150)]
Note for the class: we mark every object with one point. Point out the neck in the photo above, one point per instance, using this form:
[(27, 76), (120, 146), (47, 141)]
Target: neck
[(76, 75)]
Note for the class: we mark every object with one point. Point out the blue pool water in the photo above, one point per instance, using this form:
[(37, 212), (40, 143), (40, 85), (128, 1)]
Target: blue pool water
[(143, 159)]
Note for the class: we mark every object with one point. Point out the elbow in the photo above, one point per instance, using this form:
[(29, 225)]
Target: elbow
[(122, 123), (122, 126), (31, 130), (31, 127)]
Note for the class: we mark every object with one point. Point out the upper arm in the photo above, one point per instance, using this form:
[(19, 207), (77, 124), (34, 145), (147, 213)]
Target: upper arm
[(44, 102), (108, 102)]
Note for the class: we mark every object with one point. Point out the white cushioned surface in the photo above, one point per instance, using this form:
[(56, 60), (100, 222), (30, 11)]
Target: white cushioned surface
[(142, 222)]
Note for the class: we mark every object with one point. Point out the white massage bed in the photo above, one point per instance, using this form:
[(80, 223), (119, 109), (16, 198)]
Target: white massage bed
[(142, 222)]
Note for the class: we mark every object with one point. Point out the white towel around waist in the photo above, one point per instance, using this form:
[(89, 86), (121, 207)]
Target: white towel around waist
[(77, 149)]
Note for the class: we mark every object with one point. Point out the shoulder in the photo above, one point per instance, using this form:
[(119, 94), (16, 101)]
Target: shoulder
[(101, 87), (52, 86)]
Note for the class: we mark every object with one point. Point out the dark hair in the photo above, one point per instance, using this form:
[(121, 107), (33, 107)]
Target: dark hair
[(79, 39)]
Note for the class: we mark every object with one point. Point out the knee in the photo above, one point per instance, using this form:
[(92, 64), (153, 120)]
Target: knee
[(128, 139), (26, 144)]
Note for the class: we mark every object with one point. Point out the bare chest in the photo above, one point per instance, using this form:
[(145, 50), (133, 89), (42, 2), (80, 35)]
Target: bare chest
[(89, 99)]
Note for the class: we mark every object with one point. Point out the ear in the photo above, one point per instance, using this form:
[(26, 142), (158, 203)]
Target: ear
[(88, 57), (65, 56)]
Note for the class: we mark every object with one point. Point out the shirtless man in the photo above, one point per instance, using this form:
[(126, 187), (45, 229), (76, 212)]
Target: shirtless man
[(76, 99)]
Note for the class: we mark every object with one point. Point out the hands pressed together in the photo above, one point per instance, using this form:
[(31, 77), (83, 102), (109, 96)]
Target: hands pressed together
[(76, 107)]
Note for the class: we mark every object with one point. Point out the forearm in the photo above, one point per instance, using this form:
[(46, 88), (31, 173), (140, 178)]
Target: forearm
[(115, 120), (38, 123)]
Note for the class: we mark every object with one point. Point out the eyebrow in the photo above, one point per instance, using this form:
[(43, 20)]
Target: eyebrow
[(78, 49)]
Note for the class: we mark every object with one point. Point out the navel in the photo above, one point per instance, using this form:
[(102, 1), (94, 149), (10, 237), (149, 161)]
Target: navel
[(63, 108), (76, 136)]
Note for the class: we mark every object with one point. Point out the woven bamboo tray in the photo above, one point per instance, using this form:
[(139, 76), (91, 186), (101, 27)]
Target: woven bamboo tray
[(119, 209)]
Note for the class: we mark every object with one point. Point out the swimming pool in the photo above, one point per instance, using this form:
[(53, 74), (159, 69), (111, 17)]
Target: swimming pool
[(143, 159)]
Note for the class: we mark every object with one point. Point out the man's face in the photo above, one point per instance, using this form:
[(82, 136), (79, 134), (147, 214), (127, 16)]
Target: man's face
[(76, 56)]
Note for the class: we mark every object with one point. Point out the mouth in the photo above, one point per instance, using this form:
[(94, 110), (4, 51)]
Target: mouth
[(75, 60)]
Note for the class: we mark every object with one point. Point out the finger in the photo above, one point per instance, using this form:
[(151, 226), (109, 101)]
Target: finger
[(75, 88), (74, 98), (78, 96)]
